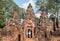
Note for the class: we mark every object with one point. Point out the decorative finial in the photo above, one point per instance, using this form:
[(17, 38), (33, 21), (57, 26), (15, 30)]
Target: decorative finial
[(15, 12), (29, 6), (15, 9)]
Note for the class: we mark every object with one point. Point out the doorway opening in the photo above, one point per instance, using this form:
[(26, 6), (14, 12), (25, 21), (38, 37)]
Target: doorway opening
[(19, 37)]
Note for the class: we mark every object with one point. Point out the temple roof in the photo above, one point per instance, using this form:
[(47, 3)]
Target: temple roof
[(30, 14)]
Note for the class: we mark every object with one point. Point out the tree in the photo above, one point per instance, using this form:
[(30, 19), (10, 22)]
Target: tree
[(40, 4), (52, 17), (52, 6), (10, 5), (2, 15), (6, 11)]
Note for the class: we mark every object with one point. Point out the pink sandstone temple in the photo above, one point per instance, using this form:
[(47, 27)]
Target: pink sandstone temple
[(28, 30)]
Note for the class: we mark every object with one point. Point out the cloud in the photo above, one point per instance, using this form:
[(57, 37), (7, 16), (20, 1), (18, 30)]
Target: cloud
[(25, 5), (38, 14)]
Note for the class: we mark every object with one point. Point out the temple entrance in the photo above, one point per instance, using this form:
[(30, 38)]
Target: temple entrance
[(19, 37)]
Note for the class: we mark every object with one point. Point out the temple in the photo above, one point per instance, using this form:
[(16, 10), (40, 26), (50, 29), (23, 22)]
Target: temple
[(29, 30)]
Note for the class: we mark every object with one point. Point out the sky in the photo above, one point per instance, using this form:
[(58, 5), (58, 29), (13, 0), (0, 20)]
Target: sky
[(24, 4)]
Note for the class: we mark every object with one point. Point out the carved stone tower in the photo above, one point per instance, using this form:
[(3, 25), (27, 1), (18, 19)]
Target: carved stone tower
[(15, 20), (29, 24), (42, 26), (13, 29), (45, 23), (45, 27), (43, 20)]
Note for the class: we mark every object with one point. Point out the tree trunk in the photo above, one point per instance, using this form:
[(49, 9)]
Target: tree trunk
[(57, 20), (54, 25), (56, 17)]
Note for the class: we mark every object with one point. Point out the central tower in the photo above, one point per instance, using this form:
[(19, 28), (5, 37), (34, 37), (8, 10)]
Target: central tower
[(29, 24)]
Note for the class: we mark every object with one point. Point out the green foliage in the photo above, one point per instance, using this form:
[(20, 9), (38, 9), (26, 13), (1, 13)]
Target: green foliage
[(2, 20), (52, 17), (21, 13), (51, 5), (6, 11), (37, 19), (10, 5), (40, 4), (2, 15)]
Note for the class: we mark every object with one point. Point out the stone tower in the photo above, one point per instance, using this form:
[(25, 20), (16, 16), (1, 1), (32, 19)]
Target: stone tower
[(45, 27), (43, 20), (42, 26), (15, 20), (13, 31), (29, 24)]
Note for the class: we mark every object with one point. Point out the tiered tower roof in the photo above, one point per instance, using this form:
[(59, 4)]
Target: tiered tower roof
[(30, 14)]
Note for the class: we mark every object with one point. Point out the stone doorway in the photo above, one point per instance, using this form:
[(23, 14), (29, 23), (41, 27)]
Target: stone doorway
[(19, 37)]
